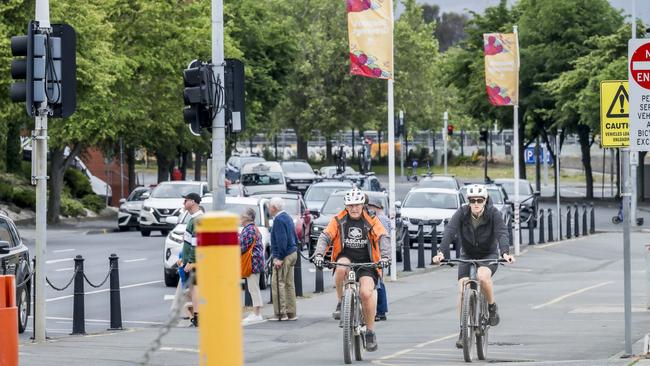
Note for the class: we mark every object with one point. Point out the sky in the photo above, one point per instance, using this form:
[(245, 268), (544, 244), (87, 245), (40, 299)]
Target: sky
[(461, 6)]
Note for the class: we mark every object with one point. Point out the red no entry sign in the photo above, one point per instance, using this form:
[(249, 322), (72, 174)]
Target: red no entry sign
[(640, 66)]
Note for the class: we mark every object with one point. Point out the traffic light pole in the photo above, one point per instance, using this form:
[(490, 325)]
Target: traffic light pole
[(39, 160), (445, 118), (218, 123)]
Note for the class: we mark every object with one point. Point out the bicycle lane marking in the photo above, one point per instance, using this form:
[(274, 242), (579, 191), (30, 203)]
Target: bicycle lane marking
[(405, 351), (577, 292)]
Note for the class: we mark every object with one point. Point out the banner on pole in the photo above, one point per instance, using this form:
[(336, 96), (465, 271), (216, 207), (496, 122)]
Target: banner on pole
[(370, 34), (501, 68)]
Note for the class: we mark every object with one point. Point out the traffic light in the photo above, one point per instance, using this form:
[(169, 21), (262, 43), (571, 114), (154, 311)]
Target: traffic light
[(450, 130), (484, 135), (235, 93), (30, 66), (198, 96), (62, 72)]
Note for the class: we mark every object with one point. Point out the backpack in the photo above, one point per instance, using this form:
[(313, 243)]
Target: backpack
[(247, 258)]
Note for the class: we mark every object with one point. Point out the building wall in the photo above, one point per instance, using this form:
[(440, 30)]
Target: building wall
[(94, 160)]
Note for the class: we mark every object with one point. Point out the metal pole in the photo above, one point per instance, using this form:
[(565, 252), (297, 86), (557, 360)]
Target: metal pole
[(634, 163), (557, 184), (42, 16), (445, 118), (516, 160), (627, 293), (121, 168), (218, 123), (401, 148), (391, 180), (538, 167), (545, 157)]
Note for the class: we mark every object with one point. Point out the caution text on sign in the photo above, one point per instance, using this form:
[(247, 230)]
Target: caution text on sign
[(614, 113)]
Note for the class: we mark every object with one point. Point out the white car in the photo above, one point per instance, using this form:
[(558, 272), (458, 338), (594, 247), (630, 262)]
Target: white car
[(429, 204), (266, 176), (166, 200), (237, 205)]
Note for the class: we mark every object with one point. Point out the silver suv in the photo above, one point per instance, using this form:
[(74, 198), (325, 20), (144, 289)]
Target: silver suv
[(166, 200)]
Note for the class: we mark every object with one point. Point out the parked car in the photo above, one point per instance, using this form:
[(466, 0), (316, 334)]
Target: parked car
[(429, 204), (528, 199), (129, 212), (317, 194), (499, 199), (14, 260), (330, 171), (236, 162), (166, 200), (439, 181), (295, 206), (236, 205), (262, 177), (365, 182), (335, 204), (299, 175)]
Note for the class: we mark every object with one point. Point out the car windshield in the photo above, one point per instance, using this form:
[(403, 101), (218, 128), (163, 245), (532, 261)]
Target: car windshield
[(175, 190), (137, 195), (253, 159), (296, 167), (431, 200), (524, 188), (333, 205), (321, 193), (495, 196), (438, 183), (239, 208), (262, 179)]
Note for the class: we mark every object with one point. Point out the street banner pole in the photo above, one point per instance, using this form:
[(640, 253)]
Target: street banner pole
[(558, 217), (445, 136), (218, 123), (391, 180), (515, 127)]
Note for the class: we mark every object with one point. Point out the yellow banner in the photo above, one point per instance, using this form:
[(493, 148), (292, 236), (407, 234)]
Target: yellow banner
[(370, 33), (501, 68)]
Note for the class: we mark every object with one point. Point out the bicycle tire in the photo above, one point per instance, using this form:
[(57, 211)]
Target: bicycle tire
[(482, 329), (467, 322), (359, 342), (346, 319)]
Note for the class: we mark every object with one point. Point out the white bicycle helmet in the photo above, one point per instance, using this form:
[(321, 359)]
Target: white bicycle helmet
[(354, 197), (477, 190)]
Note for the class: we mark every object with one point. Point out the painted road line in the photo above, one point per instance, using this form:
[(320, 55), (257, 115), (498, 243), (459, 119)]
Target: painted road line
[(169, 297), (63, 250), (436, 340), (58, 260), (63, 319), (313, 270), (135, 260), (104, 290), (558, 299), (64, 269), (179, 349)]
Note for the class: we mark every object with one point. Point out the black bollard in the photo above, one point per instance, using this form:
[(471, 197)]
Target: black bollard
[(420, 245), (592, 228), (584, 219), (434, 238), (541, 227), (319, 281), (297, 272), (116, 303), (531, 230), (248, 300), (78, 315), (550, 225), (576, 220), (568, 222), (406, 252)]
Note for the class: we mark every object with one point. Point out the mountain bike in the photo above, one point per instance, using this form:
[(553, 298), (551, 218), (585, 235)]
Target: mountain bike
[(474, 314), (352, 320)]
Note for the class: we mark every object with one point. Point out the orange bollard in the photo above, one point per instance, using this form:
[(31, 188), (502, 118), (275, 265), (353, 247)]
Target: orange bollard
[(8, 322)]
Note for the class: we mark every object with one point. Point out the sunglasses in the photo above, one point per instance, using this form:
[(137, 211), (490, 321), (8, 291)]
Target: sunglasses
[(476, 200)]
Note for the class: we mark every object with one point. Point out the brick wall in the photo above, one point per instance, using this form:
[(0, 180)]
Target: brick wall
[(94, 160)]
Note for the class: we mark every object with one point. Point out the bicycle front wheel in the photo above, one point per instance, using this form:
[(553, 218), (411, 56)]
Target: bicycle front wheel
[(359, 341), (467, 323), (482, 329), (347, 307)]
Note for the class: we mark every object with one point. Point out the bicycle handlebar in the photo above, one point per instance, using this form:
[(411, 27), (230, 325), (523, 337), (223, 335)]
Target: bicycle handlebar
[(450, 262), (329, 264)]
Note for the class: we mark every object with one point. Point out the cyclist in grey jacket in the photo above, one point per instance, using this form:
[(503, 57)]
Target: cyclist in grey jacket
[(481, 233)]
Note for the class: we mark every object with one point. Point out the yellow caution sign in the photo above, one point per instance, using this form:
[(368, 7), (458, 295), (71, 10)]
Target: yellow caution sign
[(614, 113)]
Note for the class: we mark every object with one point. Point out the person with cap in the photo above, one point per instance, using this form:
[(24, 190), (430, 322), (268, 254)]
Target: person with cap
[(191, 204), (376, 208), (355, 236), (481, 233)]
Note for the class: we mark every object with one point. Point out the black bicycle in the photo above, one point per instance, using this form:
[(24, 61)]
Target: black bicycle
[(352, 320), (474, 314)]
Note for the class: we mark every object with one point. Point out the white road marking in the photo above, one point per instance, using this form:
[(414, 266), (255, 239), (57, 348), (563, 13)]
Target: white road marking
[(135, 260), (104, 290), (179, 349), (63, 320), (313, 270), (436, 340), (58, 260), (558, 299), (606, 310), (62, 250), (64, 269), (168, 297)]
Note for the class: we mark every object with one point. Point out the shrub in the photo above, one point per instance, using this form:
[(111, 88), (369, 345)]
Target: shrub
[(24, 198), (6, 192), (26, 170), (79, 184), (71, 207), (93, 202)]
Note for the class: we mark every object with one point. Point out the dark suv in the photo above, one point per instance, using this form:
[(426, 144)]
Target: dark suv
[(299, 175), (14, 260)]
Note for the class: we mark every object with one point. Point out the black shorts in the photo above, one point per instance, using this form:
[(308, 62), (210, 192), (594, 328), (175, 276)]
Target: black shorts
[(463, 268), (364, 272)]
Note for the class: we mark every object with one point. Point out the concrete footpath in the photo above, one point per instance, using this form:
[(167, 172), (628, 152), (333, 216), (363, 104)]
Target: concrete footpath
[(552, 314)]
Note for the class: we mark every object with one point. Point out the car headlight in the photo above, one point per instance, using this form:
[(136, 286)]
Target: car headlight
[(148, 209), (316, 229)]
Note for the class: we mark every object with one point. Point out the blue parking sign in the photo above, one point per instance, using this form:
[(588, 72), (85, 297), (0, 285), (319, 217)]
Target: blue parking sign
[(529, 156)]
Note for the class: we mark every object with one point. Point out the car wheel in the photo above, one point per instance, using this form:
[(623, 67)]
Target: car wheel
[(23, 301), (164, 232), (123, 228), (145, 232), (171, 278)]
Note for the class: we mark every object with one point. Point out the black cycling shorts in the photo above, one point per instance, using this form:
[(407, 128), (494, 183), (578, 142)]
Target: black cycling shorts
[(364, 272), (463, 268)]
